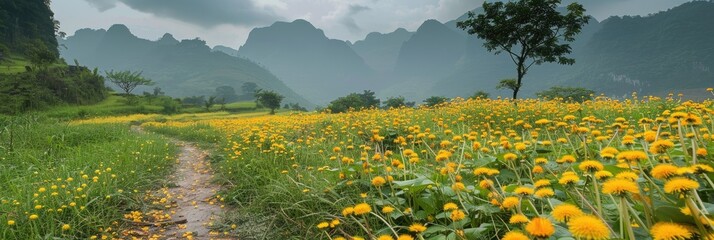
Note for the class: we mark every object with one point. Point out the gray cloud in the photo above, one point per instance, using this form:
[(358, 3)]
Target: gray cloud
[(204, 13), (355, 9), (349, 21), (103, 5)]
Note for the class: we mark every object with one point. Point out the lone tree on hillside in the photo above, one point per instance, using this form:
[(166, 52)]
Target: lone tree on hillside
[(530, 31), (269, 99), (128, 80)]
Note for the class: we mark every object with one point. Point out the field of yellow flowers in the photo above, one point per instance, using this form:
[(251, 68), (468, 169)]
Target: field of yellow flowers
[(62, 181), (639, 168)]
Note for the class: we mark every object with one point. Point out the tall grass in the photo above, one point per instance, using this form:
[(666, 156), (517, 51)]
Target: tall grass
[(74, 181)]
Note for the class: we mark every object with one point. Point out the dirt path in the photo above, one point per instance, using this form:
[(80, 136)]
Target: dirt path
[(194, 194), (189, 207)]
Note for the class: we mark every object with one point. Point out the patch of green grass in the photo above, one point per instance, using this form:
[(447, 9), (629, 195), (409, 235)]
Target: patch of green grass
[(14, 64), (116, 105), (82, 176)]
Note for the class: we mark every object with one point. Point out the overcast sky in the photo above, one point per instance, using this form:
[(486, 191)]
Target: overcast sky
[(228, 22)]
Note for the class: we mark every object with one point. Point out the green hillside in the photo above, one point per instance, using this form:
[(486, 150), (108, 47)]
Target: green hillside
[(180, 69)]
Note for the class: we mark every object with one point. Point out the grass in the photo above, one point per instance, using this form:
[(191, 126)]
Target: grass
[(375, 172), (14, 64), (116, 105), (74, 181)]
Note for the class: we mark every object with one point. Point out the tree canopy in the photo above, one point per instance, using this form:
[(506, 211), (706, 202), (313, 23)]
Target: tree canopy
[(269, 99), (355, 101), (128, 80), (532, 32), (567, 93)]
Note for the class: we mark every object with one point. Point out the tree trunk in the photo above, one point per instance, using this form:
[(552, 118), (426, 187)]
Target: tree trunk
[(272, 111)]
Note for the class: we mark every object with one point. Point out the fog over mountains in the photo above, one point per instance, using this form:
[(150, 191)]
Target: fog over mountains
[(668, 51)]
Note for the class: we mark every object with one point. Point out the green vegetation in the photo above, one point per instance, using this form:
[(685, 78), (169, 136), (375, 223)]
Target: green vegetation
[(529, 31), (567, 93), (28, 22), (34, 90), (69, 181), (430, 174), (127, 80), (354, 101), (180, 68), (116, 105), (435, 100), (269, 99), (397, 102)]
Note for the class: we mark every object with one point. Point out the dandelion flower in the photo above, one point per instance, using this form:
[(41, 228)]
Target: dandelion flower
[(669, 231), (347, 211), (385, 237), (568, 179), (591, 166), (405, 237), (702, 168), (450, 206), (680, 185), (540, 227), (564, 212), (518, 219), (378, 181), (664, 171), (510, 157), (387, 209), (631, 176), (544, 193), (524, 191), (619, 186), (588, 227), (542, 183), (362, 208), (457, 215), (512, 235), (510, 202), (323, 225), (417, 227), (602, 175)]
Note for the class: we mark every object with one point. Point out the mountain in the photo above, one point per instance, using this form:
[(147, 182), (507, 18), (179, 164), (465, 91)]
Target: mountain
[(227, 50), (380, 51), (319, 68), (656, 54), (432, 51), (180, 69)]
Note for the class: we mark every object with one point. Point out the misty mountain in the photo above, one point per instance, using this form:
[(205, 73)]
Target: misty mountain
[(656, 54), (380, 51), (184, 68), (227, 50), (318, 68)]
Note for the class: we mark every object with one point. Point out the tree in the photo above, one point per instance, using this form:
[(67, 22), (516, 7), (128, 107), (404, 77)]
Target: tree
[(567, 93), (40, 56), (480, 95), (227, 93), (269, 99), (397, 102), (128, 80), (530, 31), (435, 100), (356, 101), (249, 87), (209, 103)]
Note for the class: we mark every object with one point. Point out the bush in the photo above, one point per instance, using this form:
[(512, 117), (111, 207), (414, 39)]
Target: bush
[(354, 101), (567, 93)]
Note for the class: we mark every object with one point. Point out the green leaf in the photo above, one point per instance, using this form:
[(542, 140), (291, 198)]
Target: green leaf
[(672, 214)]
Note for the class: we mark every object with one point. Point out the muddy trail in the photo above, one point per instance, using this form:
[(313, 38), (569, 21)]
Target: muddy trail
[(188, 208)]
